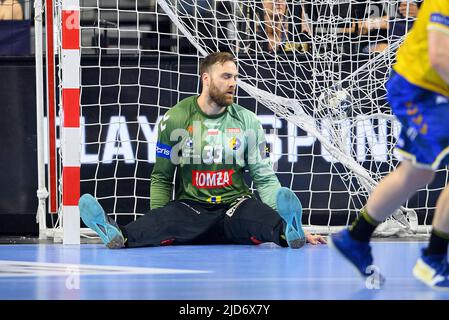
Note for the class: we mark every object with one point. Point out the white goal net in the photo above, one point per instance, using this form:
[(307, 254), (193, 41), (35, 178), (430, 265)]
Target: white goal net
[(314, 72)]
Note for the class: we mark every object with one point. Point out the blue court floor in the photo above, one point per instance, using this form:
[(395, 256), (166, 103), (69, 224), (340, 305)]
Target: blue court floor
[(231, 272)]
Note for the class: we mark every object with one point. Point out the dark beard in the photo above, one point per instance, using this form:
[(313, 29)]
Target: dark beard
[(219, 98)]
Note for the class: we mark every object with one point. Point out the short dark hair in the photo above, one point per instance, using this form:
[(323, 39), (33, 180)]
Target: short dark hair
[(213, 58)]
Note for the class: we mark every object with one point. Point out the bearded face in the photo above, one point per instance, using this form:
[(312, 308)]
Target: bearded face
[(221, 81), (222, 97)]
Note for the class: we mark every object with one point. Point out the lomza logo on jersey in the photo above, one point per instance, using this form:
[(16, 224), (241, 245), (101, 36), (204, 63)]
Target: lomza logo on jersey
[(203, 179), (163, 150)]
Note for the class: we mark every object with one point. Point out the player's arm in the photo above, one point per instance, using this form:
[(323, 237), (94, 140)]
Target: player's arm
[(164, 169), (260, 167), (438, 35)]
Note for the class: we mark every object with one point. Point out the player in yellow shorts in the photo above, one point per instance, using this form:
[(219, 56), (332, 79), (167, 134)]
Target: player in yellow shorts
[(418, 93)]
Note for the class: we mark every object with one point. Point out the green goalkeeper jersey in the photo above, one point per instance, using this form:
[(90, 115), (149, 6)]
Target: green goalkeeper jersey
[(209, 154)]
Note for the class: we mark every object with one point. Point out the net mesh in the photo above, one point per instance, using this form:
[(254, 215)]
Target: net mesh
[(313, 71)]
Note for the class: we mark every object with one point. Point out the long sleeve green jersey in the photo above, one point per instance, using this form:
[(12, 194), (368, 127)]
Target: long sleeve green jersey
[(209, 154)]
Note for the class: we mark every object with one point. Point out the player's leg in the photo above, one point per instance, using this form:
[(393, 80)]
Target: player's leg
[(423, 139), (178, 223), (389, 195), (95, 218), (252, 221), (289, 208), (432, 268), (394, 190)]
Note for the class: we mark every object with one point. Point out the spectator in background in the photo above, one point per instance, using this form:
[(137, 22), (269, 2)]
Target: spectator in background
[(274, 33), (406, 15), (263, 27), (10, 10), (389, 26), (275, 25)]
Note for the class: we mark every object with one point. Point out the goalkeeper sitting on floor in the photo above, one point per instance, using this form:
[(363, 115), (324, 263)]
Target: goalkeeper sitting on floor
[(210, 141)]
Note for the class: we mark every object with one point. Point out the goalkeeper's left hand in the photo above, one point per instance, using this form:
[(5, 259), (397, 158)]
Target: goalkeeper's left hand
[(315, 239)]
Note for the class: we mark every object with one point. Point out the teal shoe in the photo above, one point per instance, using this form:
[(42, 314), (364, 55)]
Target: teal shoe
[(95, 218), (290, 209)]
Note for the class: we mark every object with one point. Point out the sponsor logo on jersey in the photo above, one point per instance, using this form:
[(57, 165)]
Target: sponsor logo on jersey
[(264, 149), (205, 179), (163, 150), (189, 143), (216, 199), (234, 143), (233, 130), (440, 19), (213, 132), (187, 150)]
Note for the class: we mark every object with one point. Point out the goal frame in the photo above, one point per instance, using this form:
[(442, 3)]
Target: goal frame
[(63, 203)]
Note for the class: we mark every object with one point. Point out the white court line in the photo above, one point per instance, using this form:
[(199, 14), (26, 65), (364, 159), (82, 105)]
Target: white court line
[(10, 268), (248, 281), (389, 242)]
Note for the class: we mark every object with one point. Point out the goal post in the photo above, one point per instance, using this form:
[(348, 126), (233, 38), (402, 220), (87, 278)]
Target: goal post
[(314, 73), (67, 13)]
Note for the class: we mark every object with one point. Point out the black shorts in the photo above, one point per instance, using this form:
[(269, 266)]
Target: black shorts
[(183, 222)]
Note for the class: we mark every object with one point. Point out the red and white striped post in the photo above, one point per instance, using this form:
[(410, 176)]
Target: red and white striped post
[(70, 134), (51, 108)]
